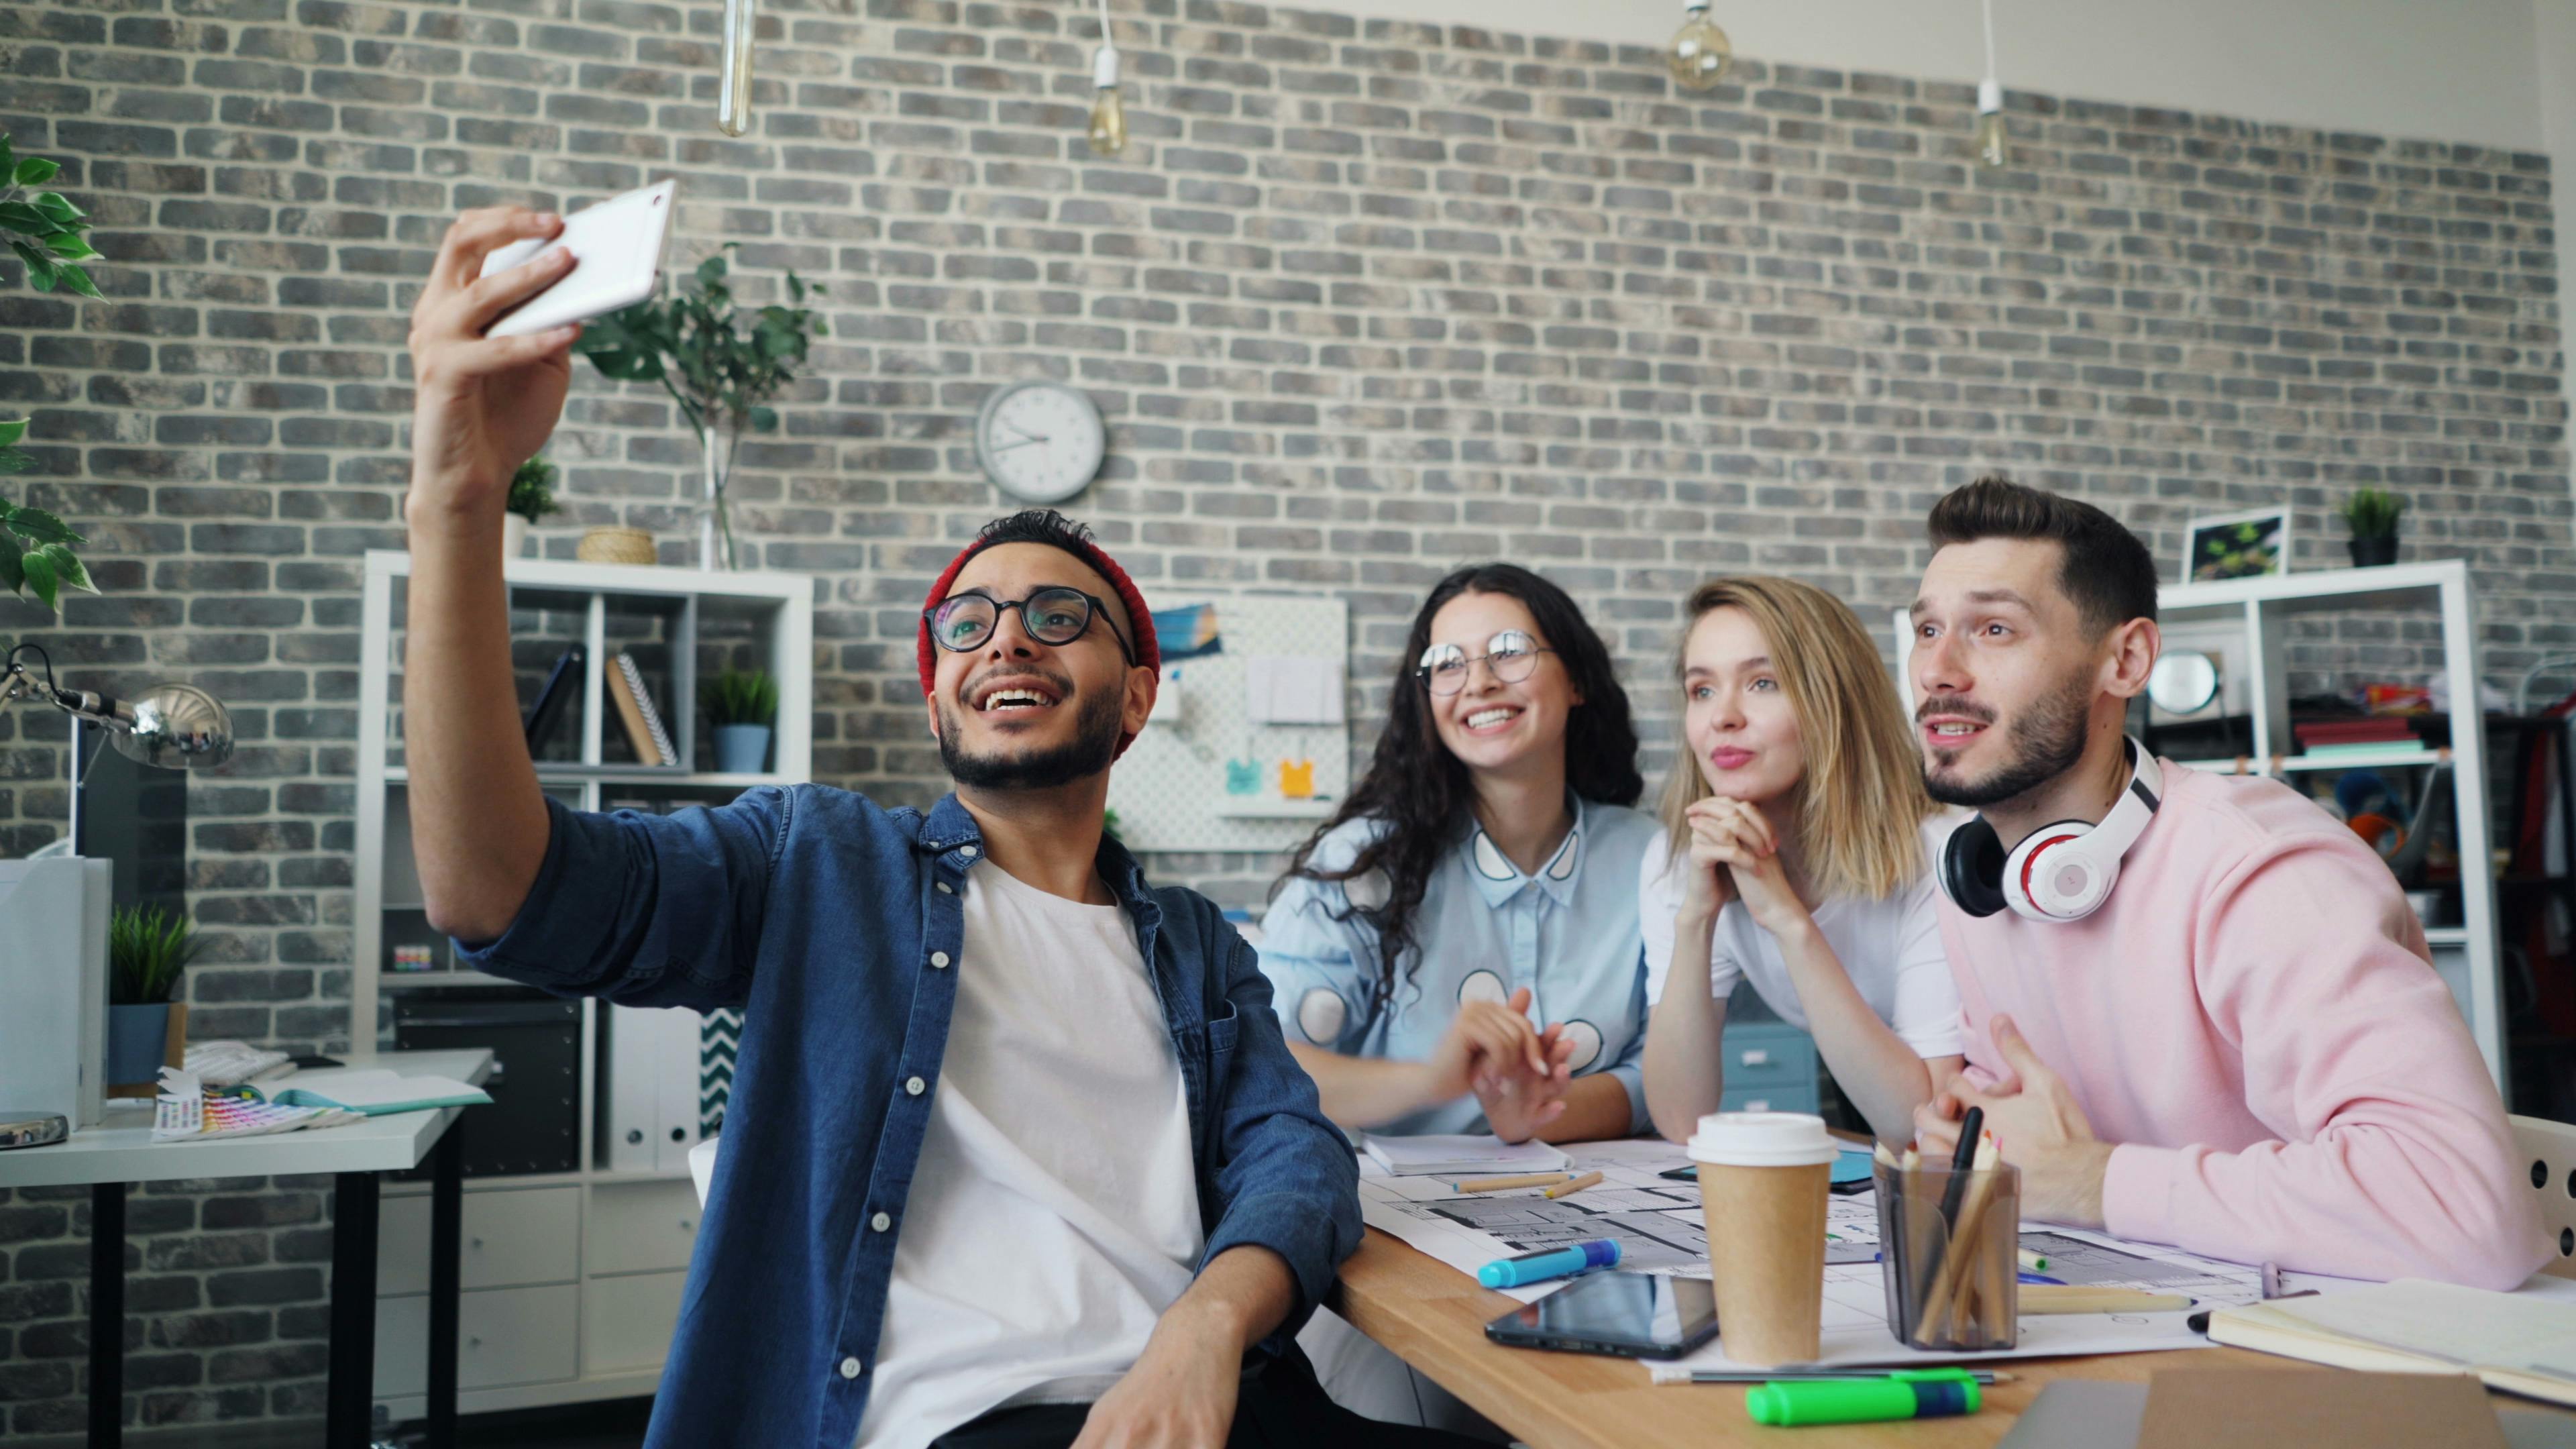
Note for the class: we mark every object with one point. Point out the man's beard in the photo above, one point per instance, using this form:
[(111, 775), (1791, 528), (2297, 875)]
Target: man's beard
[(1093, 746), (2046, 741)]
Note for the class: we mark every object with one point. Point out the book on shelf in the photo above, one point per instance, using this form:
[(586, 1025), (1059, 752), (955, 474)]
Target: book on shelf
[(635, 709), (561, 685)]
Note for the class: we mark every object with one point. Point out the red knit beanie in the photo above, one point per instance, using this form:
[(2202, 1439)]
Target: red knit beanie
[(1149, 653)]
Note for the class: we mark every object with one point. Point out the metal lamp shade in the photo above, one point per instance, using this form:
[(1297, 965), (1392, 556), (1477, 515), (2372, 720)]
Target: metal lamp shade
[(177, 727)]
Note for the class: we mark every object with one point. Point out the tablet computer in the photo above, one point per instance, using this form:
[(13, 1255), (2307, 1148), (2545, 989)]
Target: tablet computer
[(1634, 1315), (619, 244)]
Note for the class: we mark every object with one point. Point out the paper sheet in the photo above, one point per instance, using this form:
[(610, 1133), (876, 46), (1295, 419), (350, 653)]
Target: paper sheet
[(1659, 1228)]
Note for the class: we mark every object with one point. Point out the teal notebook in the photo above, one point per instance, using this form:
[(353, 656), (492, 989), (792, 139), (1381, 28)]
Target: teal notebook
[(374, 1092)]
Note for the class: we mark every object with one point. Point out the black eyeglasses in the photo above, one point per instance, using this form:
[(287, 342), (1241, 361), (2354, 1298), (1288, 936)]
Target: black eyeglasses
[(1512, 655), (1052, 616)]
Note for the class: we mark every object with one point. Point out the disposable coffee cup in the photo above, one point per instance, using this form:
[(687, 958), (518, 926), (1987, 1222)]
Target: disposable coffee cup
[(1763, 1181)]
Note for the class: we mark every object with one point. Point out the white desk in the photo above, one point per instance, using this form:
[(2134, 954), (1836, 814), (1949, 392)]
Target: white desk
[(109, 1158)]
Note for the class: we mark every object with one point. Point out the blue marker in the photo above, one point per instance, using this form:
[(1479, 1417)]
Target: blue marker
[(1553, 1263)]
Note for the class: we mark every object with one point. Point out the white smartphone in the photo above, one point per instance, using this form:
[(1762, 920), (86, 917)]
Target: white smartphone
[(619, 245)]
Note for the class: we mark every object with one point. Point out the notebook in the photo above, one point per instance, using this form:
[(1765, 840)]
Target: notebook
[(2523, 1343), (1481, 1156), (375, 1092)]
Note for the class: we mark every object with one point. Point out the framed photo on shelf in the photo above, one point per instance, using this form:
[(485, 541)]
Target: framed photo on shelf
[(2253, 545)]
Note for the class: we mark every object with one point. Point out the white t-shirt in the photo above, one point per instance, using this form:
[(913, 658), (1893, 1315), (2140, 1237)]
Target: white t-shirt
[(1891, 948), (1054, 1213)]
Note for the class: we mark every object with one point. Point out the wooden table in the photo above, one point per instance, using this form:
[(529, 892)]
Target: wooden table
[(1433, 1317)]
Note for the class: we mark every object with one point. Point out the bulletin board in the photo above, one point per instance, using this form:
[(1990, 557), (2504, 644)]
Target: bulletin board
[(1171, 792)]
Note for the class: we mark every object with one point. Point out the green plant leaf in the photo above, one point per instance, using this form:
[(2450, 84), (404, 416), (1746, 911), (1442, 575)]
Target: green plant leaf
[(57, 206), (13, 572), (36, 171), (37, 526), (39, 578), (69, 571), (69, 246), (15, 460), (8, 157), (12, 431), (76, 279), (41, 269), (19, 216), (764, 419)]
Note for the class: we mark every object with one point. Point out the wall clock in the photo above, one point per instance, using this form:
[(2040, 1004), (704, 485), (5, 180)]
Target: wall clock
[(1040, 442)]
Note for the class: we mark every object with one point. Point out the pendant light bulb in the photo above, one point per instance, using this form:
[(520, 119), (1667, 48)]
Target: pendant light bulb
[(1699, 51), (1108, 113), (733, 77), (1990, 123)]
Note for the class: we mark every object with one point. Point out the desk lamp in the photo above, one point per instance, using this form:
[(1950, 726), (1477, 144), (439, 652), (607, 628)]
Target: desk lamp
[(169, 726)]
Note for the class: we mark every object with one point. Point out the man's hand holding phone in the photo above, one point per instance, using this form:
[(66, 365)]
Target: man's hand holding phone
[(482, 405)]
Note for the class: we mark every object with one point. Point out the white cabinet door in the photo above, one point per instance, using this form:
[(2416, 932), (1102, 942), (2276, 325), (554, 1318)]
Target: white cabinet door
[(643, 1227), (504, 1336), (626, 1322), (511, 1239)]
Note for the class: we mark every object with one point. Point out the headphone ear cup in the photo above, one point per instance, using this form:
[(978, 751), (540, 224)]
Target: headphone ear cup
[(2032, 870), (1972, 868)]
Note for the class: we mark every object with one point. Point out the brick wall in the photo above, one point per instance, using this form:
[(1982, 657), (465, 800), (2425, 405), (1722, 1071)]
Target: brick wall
[(1361, 301)]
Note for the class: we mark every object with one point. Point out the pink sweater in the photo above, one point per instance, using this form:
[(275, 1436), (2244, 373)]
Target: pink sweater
[(2253, 1017)]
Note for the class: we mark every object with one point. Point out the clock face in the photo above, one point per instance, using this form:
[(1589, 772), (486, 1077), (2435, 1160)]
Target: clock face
[(1040, 442)]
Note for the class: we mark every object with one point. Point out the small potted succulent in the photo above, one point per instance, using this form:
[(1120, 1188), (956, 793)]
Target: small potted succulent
[(148, 949), (741, 705), (2372, 514), (532, 497)]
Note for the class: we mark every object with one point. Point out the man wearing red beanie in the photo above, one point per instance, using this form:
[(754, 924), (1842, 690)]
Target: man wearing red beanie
[(1016, 1155)]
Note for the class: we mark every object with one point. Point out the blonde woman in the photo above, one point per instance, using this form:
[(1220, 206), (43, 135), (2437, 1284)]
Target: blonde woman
[(1797, 854)]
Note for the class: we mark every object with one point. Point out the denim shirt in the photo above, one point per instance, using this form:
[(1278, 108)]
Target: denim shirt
[(837, 927)]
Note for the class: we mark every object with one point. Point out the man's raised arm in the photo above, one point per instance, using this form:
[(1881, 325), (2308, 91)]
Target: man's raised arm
[(483, 406)]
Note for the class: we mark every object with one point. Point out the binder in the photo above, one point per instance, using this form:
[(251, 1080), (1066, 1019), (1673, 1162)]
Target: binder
[(652, 1096)]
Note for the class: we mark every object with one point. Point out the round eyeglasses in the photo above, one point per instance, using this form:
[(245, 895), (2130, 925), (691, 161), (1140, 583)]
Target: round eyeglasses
[(1512, 655), (1052, 616)]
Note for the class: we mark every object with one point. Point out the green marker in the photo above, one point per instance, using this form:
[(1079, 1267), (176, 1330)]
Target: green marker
[(1904, 1394)]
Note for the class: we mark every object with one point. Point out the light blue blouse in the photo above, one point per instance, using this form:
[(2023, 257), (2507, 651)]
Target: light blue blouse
[(1569, 933)]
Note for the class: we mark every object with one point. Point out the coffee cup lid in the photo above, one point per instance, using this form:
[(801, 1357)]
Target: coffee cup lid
[(1762, 1139)]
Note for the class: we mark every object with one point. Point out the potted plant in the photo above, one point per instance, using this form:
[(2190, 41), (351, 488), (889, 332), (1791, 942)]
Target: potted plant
[(740, 704), (44, 229), (147, 950), (2372, 513), (721, 364), (532, 497)]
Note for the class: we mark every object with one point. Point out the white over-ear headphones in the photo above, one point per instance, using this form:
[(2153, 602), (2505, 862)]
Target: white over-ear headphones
[(2059, 872)]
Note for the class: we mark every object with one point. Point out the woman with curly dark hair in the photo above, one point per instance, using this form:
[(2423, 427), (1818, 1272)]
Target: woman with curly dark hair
[(1479, 881)]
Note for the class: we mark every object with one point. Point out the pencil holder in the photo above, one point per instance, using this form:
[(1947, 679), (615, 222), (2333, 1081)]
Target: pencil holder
[(1948, 1246)]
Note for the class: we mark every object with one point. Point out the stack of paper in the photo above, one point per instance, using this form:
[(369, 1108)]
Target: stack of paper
[(1481, 1156), (2523, 1343)]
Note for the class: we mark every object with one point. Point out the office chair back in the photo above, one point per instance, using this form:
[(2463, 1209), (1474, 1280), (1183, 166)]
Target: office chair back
[(2548, 1166)]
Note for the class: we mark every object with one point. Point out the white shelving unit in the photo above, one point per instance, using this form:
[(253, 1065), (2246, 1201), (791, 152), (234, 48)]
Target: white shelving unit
[(2263, 611), (572, 1280)]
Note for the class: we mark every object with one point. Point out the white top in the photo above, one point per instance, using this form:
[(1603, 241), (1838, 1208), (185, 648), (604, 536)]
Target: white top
[(1054, 1213), (1891, 947)]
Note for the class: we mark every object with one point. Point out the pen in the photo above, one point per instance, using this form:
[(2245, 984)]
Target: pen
[(1497, 1184), (1671, 1373), (1567, 1189), (1550, 1263), (1961, 1161), (1905, 1394), (2032, 1262), (2043, 1280)]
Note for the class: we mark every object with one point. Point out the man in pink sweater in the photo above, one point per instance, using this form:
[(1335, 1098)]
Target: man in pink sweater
[(2243, 1050)]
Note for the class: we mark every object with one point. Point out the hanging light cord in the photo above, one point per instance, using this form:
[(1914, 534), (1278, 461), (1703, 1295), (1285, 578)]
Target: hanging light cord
[(1113, 45), (1990, 35)]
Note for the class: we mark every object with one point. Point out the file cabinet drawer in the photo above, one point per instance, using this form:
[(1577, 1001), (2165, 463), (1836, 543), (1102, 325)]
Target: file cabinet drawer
[(509, 1239), (504, 1336), (645, 1227), (1783, 1098), (627, 1322), (1769, 1057)]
